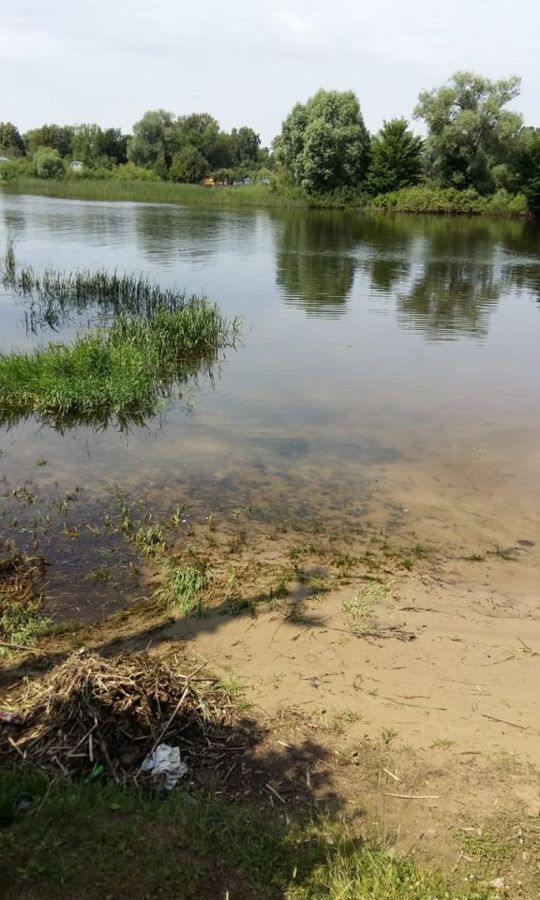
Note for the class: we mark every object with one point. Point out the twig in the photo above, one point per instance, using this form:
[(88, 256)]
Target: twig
[(414, 796), (391, 774), (18, 646), (505, 722), (275, 793)]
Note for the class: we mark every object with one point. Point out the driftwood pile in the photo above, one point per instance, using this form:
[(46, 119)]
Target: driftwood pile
[(92, 715)]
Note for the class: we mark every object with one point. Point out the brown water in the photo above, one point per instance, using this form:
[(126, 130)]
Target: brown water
[(389, 367)]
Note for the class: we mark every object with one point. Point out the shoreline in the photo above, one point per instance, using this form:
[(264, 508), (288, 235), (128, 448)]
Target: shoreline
[(409, 201)]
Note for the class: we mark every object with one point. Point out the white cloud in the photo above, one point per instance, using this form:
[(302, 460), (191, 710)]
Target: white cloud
[(248, 63)]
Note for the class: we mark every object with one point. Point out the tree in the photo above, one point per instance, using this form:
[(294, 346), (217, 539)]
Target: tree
[(57, 137), (324, 143), (189, 166), (155, 140), (48, 163), (469, 131), (245, 143), (199, 130), (396, 158), (526, 167), (11, 142)]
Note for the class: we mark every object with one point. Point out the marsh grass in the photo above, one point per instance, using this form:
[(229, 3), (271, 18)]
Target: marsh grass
[(256, 195), (56, 295), (117, 375)]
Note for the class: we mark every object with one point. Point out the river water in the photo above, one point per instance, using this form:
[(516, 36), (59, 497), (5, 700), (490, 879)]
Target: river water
[(387, 365)]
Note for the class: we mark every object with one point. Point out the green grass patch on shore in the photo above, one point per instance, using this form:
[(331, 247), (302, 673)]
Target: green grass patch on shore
[(256, 195), (420, 199), (92, 841), (115, 375)]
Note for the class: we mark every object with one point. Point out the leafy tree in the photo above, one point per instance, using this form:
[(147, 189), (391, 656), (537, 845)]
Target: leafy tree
[(396, 158), (526, 166), (469, 131), (199, 130), (155, 140), (245, 143), (11, 142), (57, 137), (48, 163), (189, 166), (324, 143)]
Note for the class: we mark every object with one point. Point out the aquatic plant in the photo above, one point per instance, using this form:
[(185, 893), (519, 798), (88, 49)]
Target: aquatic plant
[(117, 375), (56, 295)]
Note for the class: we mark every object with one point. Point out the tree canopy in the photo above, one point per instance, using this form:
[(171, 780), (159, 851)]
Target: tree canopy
[(470, 133), (11, 142), (324, 143), (396, 158)]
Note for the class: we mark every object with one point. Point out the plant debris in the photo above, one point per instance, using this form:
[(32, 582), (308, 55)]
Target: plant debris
[(93, 716)]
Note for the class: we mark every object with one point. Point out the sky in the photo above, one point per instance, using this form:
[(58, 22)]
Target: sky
[(247, 63)]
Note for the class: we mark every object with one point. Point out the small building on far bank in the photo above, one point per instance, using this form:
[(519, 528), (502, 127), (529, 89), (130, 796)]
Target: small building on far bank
[(76, 165)]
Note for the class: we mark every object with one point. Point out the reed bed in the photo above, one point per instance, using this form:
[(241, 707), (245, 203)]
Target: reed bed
[(56, 295), (92, 716), (117, 375)]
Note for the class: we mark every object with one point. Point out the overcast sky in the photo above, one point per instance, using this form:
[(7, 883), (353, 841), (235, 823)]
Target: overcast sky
[(247, 62)]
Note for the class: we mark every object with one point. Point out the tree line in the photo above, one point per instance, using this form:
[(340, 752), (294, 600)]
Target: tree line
[(473, 143)]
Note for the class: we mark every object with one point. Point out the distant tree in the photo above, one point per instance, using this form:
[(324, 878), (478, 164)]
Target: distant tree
[(48, 163), (245, 145), (469, 131), (155, 140), (526, 168), (57, 137), (324, 143), (11, 142), (189, 166), (396, 158), (199, 130), (113, 145)]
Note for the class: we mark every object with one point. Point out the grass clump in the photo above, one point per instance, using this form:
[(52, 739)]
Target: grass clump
[(116, 375), (55, 295), (183, 588)]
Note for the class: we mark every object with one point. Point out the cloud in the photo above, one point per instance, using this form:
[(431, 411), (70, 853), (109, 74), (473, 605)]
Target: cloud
[(249, 63)]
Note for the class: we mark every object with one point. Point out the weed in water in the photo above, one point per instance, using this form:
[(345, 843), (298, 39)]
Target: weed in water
[(150, 541), (118, 375)]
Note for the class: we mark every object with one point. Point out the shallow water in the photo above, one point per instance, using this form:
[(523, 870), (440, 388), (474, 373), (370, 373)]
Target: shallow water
[(383, 360)]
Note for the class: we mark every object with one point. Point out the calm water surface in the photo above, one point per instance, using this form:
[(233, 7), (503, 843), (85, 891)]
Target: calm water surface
[(370, 346)]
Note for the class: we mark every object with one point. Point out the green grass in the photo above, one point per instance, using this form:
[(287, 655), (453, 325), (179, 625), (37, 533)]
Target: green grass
[(56, 295), (91, 841), (117, 375), (183, 588), (420, 199), (257, 195)]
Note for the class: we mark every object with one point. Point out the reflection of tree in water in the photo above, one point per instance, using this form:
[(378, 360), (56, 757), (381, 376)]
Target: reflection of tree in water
[(166, 232), (459, 283), (314, 262), (523, 267)]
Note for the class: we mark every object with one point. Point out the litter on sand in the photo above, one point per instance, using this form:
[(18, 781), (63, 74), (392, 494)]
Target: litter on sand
[(165, 766)]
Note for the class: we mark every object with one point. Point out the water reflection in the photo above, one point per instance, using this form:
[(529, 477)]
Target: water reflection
[(460, 280), (315, 262)]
